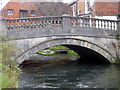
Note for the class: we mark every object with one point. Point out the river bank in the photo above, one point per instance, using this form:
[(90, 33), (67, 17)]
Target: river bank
[(10, 75), (57, 49), (9, 72)]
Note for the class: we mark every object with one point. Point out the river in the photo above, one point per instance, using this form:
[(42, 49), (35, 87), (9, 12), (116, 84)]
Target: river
[(69, 75)]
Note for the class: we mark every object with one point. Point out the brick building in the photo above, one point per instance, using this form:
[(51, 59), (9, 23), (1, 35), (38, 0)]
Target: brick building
[(80, 7), (20, 9), (107, 10), (102, 10)]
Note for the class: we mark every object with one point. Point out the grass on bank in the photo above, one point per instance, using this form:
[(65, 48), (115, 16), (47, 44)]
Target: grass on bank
[(51, 51), (9, 72), (9, 75)]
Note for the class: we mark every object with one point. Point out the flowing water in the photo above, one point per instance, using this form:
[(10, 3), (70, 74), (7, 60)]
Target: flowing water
[(69, 75)]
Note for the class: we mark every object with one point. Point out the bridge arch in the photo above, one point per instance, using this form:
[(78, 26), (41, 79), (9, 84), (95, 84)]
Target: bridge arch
[(70, 43)]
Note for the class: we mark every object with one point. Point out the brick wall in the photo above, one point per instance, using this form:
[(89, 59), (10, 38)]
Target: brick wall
[(81, 5), (107, 8), (17, 6)]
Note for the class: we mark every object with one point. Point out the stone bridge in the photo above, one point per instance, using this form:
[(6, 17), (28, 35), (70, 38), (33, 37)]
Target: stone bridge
[(95, 40)]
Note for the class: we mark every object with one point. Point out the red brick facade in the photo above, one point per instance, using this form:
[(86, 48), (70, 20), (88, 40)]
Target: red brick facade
[(99, 8), (107, 8), (18, 6), (78, 7)]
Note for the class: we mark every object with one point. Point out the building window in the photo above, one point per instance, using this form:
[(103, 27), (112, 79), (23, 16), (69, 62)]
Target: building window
[(33, 13), (23, 13), (10, 11), (74, 10), (79, 11)]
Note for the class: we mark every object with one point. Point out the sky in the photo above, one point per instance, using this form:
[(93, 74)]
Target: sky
[(4, 2)]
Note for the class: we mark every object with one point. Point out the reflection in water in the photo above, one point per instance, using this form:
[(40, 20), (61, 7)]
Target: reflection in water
[(72, 75)]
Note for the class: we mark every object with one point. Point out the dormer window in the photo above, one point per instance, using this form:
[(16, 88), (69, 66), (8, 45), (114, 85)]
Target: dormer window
[(10, 11)]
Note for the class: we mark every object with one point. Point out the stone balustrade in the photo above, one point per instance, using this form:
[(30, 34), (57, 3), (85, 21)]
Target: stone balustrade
[(94, 23), (61, 21)]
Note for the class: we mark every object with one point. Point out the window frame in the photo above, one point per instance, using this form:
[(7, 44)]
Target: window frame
[(9, 11), (33, 12), (79, 11)]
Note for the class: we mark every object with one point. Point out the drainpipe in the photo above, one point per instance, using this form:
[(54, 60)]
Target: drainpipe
[(118, 37)]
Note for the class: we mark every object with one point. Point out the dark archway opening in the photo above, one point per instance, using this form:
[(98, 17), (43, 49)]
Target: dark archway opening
[(88, 56)]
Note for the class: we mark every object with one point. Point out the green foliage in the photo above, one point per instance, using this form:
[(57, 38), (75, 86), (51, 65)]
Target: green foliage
[(44, 52), (71, 52), (9, 77), (6, 49), (9, 72)]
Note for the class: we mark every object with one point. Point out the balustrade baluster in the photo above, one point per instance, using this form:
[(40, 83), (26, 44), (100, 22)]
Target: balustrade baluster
[(111, 25), (115, 25), (90, 23), (97, 24), (34, 24), (101, 24), (40, 23), (45, 22), (94, 25), (55, 23), (73, 21), (80, 22), (25, 25), (16, 24), (107, 24), (58, 22), (83, 22), (104, 24), (12, 22), (49, 22), (9, 24)]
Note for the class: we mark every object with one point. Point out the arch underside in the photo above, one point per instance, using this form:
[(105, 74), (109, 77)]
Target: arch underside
[(85, 49)]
